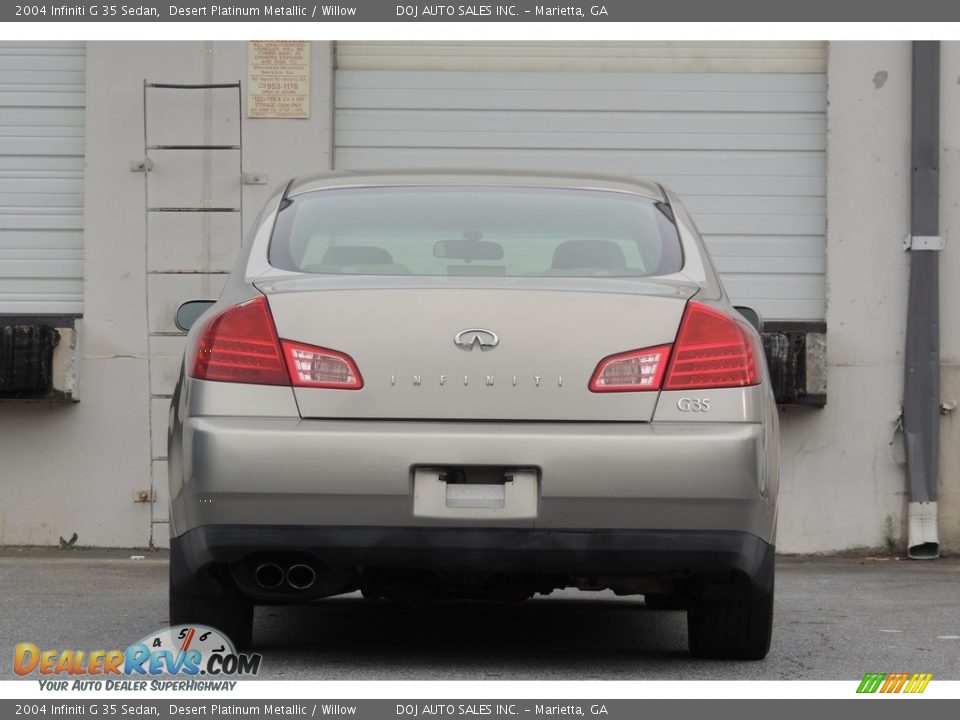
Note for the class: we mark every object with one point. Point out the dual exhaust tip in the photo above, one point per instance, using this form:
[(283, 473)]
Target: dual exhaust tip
[(271, 576)]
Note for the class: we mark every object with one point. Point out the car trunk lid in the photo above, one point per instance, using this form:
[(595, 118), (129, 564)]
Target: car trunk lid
[(527, 347)]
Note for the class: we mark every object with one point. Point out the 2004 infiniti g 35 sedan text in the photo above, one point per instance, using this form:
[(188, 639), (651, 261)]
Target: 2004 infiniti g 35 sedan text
[(430, 385)]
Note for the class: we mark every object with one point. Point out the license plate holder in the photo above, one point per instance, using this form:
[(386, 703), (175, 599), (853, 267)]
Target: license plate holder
[(513, 499), (466, 495)]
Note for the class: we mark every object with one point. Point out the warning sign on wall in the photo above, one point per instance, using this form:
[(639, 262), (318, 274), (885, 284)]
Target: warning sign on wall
[(278, 79)]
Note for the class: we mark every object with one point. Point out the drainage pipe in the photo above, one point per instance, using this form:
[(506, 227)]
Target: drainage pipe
[(921, 404)]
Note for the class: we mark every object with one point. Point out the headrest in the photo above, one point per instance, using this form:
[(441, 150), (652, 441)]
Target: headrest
[(598, 254)]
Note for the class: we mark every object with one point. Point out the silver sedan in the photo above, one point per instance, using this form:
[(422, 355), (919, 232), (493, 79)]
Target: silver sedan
[(432, 385)]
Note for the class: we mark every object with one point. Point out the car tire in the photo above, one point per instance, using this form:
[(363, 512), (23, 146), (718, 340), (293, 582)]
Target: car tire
[(734, 622), (730, 629), (665, 601), (214, 601)]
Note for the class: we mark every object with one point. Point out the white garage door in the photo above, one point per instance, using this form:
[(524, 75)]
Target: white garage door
[(41, 178), (739, 130)]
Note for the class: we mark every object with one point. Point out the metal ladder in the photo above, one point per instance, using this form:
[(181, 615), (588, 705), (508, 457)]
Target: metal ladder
[(154, 154), (148, 147)]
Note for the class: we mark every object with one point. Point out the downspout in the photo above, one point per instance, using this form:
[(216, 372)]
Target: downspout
[(921, 404)]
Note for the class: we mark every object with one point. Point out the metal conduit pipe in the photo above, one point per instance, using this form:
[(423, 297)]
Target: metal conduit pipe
[(921, 404)]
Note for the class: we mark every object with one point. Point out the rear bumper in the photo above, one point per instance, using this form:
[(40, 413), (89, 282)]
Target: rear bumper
[(677, 554), (292, 474)]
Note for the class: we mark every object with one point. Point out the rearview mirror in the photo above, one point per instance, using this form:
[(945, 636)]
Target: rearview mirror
[(752, 316), (190, 311), (468, 250)]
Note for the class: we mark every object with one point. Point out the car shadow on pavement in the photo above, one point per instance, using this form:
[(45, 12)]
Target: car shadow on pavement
[(476, 640)]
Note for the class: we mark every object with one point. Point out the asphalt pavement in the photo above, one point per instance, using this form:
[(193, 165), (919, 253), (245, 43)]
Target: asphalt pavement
[(836, 618)]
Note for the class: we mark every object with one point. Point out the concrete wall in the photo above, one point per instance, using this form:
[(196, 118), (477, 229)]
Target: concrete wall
[(838, 480), (78, 468), (842, 466), (949, 497)]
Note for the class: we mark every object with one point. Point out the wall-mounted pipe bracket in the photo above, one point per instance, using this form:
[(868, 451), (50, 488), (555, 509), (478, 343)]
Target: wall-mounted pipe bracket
[(923, 242)]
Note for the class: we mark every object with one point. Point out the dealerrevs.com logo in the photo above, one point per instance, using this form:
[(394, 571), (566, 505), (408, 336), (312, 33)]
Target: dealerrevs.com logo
[(188, 651)]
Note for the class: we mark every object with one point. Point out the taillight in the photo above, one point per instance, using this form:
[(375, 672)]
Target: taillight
[(712, 350), (631, 371), (240, 345), (311, 366)]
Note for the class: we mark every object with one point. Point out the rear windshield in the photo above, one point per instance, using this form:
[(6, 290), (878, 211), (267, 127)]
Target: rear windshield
[(475, 231)]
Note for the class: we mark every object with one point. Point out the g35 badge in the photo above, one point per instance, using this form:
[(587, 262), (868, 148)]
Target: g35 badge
[(693, 404)]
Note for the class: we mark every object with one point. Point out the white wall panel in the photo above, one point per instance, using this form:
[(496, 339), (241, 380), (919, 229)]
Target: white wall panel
[(745, 150), (42, 90), (606, 56)]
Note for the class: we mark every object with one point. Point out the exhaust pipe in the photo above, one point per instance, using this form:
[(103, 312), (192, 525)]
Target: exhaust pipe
[(301, 577), (268, 575)]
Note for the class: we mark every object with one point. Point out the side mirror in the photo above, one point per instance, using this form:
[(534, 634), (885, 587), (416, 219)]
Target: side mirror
[(190, 311), (752, 316)]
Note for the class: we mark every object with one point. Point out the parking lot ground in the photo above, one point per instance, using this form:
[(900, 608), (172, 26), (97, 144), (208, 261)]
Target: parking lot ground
[(836, 618)]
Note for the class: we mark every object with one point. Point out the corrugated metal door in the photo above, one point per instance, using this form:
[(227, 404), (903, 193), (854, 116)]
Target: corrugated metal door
[(738, 129), (41, 177)]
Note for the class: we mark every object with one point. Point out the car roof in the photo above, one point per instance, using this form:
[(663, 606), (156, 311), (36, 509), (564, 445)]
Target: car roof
[(479, 177)]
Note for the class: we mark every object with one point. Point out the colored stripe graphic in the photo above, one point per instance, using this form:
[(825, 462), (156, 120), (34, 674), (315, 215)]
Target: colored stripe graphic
[(871, 682), (894, 682), (918, 683)]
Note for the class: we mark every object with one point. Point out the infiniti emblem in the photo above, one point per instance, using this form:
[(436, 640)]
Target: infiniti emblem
[(469, 339)]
